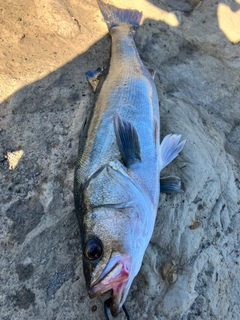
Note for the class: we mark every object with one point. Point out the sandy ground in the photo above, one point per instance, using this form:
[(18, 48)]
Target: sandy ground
[(191, 268)]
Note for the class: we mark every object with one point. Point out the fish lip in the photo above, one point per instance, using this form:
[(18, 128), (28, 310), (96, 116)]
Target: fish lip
[(114, 279)]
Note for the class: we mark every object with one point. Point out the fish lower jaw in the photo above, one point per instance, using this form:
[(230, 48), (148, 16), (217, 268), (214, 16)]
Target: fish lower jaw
[(113, 280), (117, 296)]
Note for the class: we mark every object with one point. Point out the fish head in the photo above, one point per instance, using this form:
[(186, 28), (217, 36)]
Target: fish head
[(116, 228), (112, 253), (114, 241)]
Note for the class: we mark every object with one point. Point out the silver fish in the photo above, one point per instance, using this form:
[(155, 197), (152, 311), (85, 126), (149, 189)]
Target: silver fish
[(117, 173)]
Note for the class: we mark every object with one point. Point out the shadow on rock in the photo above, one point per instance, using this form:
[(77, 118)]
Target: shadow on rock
[(199, 98)]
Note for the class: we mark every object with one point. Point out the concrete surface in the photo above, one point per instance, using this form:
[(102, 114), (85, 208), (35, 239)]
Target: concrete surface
[(191, 267)]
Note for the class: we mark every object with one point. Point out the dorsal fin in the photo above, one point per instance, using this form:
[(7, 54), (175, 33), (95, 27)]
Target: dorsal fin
[(127, 141)]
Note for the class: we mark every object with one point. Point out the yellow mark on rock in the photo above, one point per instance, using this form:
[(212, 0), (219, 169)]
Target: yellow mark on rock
[(229, 22), (151, 11), (13, 158)]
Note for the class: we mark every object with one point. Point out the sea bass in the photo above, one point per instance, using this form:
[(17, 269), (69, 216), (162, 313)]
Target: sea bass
[(117, 174)]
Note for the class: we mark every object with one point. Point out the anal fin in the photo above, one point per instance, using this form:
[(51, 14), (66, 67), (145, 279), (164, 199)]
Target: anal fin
[(127, 141), (171, 184)]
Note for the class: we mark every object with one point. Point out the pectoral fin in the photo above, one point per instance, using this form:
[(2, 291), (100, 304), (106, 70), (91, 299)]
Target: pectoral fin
[(169, 149), (93, 77), (127, 141), (170, 184)]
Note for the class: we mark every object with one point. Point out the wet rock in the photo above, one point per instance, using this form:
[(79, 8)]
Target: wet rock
[(24, 298), (59, 278), (25, 216), (24, 270)]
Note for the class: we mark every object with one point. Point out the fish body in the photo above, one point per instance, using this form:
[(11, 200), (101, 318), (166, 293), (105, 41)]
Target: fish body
[(117, 173)]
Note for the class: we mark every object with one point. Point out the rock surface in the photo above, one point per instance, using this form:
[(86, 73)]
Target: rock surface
[(191, 267)]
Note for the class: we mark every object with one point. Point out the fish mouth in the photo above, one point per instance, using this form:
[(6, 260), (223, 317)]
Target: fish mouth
[(115, 277)]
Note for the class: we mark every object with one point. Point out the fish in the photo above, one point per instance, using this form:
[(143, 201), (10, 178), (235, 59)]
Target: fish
[(117, 174)]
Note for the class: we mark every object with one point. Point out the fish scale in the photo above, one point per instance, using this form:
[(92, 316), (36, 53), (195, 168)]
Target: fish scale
[(117, 185), (112, 98)]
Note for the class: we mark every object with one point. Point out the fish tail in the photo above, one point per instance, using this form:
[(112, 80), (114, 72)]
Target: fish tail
[(114, 16)]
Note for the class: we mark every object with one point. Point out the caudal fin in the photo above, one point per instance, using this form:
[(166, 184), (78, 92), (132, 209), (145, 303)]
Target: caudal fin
[(114, 16)]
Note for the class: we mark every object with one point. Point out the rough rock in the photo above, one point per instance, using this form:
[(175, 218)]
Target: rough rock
[(56, 15), (191, 267)]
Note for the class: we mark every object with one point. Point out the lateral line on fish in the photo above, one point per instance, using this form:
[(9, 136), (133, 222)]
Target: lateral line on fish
[(123, 205)]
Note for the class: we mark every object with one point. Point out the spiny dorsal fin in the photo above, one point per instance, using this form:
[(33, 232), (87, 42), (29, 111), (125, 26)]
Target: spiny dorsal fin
[(127, 141)]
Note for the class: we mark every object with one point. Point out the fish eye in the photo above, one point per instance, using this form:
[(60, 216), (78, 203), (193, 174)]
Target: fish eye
[(93, 249)]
